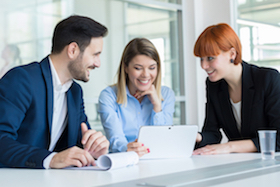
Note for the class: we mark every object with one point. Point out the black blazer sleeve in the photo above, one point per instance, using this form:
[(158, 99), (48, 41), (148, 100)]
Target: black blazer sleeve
[(211, 129)]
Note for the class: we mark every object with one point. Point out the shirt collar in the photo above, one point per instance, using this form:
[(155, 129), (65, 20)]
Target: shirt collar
[(56, 81), (128, 92)]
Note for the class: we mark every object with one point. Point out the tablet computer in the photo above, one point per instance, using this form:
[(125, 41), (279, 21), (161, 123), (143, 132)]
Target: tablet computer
[(168, 141)]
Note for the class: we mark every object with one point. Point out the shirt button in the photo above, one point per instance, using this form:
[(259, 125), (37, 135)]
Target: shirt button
[(138, 112)]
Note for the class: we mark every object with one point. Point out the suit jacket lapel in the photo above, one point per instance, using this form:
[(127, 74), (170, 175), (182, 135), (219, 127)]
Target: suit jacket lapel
[(45, 66), (73, 126), (248, 93), (229, 120)]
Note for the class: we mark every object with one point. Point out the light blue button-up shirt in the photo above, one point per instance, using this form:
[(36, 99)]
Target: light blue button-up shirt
[(121, 123)]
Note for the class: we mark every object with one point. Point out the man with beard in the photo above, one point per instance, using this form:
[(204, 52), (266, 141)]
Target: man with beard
[(42, 122)]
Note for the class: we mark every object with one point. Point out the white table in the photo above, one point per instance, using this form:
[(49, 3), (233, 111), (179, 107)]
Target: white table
[(216, 170)]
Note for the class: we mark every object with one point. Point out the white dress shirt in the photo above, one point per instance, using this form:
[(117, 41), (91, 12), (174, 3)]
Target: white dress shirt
[(60, 117)]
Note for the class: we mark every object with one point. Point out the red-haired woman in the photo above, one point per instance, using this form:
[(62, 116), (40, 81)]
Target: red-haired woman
[(241, 98)]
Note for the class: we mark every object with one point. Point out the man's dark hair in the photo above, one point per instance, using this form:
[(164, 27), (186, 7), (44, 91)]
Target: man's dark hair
[(77, 29)]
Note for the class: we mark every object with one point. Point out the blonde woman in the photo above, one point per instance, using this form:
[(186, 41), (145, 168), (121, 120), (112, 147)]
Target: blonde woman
[(136, 99)]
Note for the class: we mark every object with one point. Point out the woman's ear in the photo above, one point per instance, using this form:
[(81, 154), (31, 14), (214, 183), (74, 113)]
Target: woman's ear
[(73, 50), (125, 69), (232, 53)]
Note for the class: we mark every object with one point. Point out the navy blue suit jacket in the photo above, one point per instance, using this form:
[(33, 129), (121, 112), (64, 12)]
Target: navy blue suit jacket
[(260, 108), (26, 109)]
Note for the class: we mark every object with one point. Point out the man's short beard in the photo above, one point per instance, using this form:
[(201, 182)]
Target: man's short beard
[(76, 69)]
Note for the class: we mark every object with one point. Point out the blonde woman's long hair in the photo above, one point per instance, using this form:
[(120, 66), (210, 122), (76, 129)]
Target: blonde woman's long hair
[(137, 46)]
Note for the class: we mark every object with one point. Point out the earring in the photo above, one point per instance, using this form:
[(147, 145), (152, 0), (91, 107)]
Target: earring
[(231, 60)]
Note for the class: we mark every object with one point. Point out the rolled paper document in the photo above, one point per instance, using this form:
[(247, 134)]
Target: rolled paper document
[(117, 160), (112, 161)]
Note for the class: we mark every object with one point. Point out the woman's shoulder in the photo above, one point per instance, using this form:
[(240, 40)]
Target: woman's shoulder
[(220, 84), (262, 78), (166, 91), (263, 73), (261, 70), (109, 91)]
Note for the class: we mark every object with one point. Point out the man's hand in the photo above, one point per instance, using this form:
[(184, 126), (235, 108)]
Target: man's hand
[(94, 142), (73, 156)]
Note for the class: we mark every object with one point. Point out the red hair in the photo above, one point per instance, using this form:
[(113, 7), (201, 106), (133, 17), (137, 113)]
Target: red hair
[(217, 38)]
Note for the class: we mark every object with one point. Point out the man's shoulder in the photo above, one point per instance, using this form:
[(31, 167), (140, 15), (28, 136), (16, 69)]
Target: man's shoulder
[(33, 66), (31, 69), (22, 73)]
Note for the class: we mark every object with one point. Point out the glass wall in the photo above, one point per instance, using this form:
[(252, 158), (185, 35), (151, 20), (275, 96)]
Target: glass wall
[(259, 28), (27, 27)]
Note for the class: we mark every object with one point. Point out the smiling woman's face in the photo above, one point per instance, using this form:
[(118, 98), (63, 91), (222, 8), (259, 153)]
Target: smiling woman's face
[(217, 67), (142, 72)]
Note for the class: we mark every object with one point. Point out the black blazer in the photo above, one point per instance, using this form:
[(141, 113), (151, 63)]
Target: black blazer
[(260, 107)]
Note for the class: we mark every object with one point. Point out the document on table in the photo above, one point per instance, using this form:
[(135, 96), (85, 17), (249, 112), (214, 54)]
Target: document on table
[(112, 161)]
